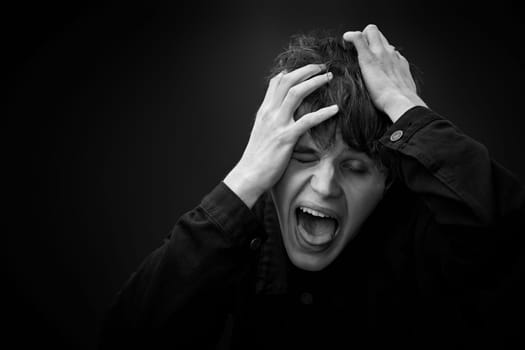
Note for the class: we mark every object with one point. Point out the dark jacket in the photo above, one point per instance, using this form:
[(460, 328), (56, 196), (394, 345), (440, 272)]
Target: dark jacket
[(437, 265)]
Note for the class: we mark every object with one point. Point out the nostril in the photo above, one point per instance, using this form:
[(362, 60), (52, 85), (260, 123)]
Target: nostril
[(325, 185)]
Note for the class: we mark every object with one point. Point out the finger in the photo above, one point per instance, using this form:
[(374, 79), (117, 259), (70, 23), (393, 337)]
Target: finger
[(398, 55), (297, 93), (389, 48), (404, 62), (294, 77), (358, 39), (375, 39), (310, 120), (272, 86), (383, 38)]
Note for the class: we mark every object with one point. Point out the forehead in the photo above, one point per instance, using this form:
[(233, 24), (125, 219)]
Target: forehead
[(338, 146)]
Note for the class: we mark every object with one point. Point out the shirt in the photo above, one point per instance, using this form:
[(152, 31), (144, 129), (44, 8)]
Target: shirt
[(439, 263)]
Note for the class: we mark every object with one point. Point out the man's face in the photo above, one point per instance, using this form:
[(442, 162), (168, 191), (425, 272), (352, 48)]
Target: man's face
[(322, 200)]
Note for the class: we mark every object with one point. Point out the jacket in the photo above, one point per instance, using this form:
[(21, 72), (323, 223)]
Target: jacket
[(438, 264)]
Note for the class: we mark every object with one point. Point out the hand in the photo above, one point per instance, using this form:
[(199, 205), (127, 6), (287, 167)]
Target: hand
[(275, 132), (385, 71)]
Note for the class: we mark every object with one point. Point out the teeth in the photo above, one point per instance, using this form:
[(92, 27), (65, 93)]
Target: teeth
[(314, 212)]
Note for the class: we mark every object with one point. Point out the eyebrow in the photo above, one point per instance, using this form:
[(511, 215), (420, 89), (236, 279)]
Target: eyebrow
[(304, 149)]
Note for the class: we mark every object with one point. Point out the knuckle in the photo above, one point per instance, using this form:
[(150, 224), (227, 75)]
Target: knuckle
[(263, 111), (266, 111), (276, 78), (294, 92), (370, 27), (402, 59), (285, 78), (307, 119), (284, 135), (378, 50)]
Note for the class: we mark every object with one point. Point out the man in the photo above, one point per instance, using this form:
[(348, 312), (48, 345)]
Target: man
[(356, 216)]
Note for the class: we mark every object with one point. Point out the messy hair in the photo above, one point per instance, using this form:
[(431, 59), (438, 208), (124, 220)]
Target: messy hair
[(361, 124)]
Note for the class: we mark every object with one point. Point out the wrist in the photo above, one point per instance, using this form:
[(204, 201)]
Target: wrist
[(396, 106), (243, 185)]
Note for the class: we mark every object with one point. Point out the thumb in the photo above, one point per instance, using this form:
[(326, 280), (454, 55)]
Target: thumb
[(359, 41)]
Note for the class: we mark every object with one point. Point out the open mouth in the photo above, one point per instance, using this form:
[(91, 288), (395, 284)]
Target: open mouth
[(316, 228)]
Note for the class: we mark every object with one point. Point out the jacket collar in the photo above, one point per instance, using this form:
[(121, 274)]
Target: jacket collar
[(274, 268), (272, 274)]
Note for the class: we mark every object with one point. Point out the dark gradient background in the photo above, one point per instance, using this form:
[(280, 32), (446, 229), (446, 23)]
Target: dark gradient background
[(120, 118)]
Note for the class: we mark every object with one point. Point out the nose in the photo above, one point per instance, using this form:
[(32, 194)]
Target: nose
[(324, 181)]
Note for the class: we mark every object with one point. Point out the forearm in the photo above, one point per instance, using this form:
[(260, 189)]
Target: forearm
[(452, 172), (189, 282)]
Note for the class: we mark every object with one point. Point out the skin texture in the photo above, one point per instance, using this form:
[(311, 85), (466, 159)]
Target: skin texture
[(269, 160), (337, 181), (275, 132), (385, 71)]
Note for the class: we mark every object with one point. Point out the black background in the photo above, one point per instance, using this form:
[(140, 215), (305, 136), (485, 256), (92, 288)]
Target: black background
[(121, 117)]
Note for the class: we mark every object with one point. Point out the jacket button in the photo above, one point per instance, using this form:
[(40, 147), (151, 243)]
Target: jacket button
[(396, 135), (255, 243), (307, 298)]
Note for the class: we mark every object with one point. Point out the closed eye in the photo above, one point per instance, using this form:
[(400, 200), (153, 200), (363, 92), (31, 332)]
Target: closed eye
[(304, 154), (355, 166), (304, 157)]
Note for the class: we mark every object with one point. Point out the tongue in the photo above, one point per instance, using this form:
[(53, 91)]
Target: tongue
[(317, 226)]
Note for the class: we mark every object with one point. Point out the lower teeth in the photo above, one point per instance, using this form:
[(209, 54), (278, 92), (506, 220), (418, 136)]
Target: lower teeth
[(316, 226)]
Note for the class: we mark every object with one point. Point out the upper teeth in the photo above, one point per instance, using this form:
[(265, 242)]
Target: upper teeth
[(314, 212)]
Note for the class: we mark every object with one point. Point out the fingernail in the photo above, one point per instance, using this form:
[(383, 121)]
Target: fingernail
[(334, 107), (329, 75)]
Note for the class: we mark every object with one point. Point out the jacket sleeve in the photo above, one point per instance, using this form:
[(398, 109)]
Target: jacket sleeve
[(183, 291), (475, 206), (471, 239), (452, 172)]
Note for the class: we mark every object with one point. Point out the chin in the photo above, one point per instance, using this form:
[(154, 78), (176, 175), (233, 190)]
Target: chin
[(308, 262)]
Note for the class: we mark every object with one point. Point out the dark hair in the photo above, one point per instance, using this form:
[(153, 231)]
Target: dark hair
[(360, 122)]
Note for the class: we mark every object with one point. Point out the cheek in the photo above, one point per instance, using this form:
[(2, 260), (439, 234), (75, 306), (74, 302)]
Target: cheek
[(284, 192), (363, 196), (374, 190), (288, 186), (371, 198)]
